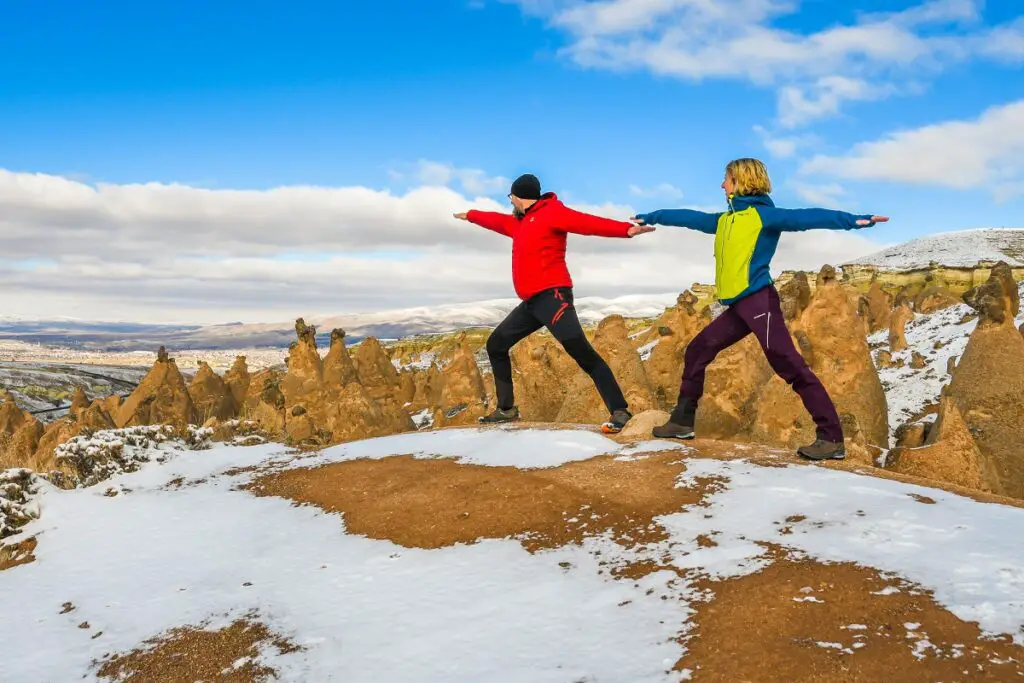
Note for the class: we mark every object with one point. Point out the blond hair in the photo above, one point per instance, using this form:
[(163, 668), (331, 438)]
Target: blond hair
[(749, 176)]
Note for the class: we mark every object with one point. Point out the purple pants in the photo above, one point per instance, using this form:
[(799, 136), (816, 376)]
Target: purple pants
[(761, 313)]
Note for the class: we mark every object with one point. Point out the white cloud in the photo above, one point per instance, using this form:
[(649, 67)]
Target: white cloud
[(660, 191), (828, 196), (785, 146), (815, 72), (470, 180), (967, 154), (801, 105), (151, 252)]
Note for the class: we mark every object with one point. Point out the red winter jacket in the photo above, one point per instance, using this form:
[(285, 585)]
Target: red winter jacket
[(538, 240)]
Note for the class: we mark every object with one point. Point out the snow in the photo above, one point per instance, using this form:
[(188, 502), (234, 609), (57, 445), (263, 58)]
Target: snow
[(424, 419), (646, 349), (958, 548), (17, 489), (909, 391), (156, 557), (965, 248), (508, 447)]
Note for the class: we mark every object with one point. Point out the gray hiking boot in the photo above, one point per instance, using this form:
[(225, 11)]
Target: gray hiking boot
[(680, 424), (499, 415), (616, 422), (822, 449)]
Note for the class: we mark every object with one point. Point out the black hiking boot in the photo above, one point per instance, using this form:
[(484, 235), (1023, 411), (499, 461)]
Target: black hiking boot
[(616, 422), (500, 415), (822, 449), (680, 424)]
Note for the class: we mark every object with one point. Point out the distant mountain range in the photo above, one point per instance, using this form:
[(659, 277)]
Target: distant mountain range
[(963, 248), (393, 324)]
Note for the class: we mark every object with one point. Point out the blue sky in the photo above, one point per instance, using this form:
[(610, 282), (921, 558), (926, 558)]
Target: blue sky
[(605, 101)]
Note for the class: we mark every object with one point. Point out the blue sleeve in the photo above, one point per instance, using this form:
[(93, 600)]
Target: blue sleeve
[(798, 220), (684, 218)]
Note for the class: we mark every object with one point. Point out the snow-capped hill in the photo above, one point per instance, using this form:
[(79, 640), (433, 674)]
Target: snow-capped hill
[(405, 322), (516, 554), (963, 249)]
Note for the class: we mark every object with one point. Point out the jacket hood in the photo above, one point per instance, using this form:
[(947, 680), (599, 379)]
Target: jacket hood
[(738, 202), (545, 199)]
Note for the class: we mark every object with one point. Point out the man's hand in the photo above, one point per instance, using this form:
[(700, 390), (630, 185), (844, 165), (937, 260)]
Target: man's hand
[(874, 219), (638, 229), (461, 216)]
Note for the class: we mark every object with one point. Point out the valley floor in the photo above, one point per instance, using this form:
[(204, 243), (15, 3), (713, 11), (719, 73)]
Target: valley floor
[(529, 553)]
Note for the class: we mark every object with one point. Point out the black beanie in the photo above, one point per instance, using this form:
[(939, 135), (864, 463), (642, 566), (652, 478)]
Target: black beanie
[(526, 187)]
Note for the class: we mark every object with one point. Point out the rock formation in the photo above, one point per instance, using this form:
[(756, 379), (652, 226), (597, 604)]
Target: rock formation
[(160, 398), (731, 387), (79, 401), (313, 411), (237, 379), (897, 328), (463, 396), (583, 404), (933, 299), (264, 402), (212, 396), (988, 382), (795, 296), (830, 336), (541, 375), (377, 373), (949, 454), (877, 307), (675, 329), (19, 434), (339, 368)]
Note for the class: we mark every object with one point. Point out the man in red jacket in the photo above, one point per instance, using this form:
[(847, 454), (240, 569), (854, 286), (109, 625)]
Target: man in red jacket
[(538, 227)]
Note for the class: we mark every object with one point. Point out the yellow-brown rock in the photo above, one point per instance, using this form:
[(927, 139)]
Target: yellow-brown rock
[(79, 401), (160, 398), (934, 299), (877, 307), (897, 328), (429, 386), (319, 412), (795, 296), (463, 397), (583, 404), (988, 382), (541, 375), (639, 428), (211, 395), (339, 368), (830, 336), (264, 402), (19, 434), (731, 387), (665, 365), (237, 378), (377, 373), (950, 454)]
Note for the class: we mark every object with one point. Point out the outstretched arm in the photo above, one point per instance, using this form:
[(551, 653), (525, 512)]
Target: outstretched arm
[(683, 218), (570, 220), (501, 223), (796, 220)]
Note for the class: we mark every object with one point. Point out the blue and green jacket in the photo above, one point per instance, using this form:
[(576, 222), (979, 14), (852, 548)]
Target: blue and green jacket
[(747, 235)]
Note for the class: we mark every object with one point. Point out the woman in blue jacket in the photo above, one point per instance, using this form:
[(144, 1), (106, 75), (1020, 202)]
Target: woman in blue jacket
[(746, 237)]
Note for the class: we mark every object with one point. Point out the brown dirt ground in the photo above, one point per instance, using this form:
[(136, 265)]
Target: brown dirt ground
[(189, 654), (433, 503), (17, 554), (755, 630)]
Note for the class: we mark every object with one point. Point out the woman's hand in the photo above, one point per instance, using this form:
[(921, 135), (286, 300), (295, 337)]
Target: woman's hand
[(874, 219)]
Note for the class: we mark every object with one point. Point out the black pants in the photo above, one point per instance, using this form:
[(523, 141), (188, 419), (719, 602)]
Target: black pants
[(552, 309)]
